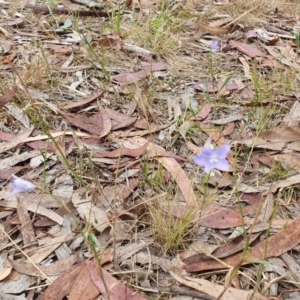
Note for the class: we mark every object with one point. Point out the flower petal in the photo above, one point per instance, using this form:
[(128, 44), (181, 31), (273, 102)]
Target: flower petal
[(215, 45), (209, 167), (222, 165), (20, 185), (200, 160), (223, 151)]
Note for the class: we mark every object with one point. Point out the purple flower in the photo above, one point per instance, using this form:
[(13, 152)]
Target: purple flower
[(215, 45), (213, 159), (20, 185)]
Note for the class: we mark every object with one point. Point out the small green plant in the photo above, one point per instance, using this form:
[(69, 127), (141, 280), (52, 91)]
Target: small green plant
[(116, 20), (297, 36), (170, 231), (278, 172)]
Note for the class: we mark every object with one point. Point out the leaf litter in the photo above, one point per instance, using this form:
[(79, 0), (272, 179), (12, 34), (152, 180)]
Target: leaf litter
[(103, 115)]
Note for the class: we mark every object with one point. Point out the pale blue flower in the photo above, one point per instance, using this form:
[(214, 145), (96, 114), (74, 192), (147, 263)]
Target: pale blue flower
[(215, 45), (213, 159), (20, 185)]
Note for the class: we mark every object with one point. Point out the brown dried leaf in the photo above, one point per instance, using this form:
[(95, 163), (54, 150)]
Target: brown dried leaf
[(261, 143), (7, 97), (229, 127), (55, 268), (290, 159), (9, 58), (155, 66), (43, 252), (285, 55), (185, 126), (234, 246), (123, 152), (221, 22), (119, 120), (16, 22), (26, 224), (6, 174), (84, 287), (46, 222), (220, 217), (215, 290), (282, 134), (131, 77), (5, 272), (103, 121), (134, 77), (213, 87), (36, 208), (84, 101), (61, 49), (62, 286), (293, 116), (16, 141), (247, 49), (89, 212), (213, 30), (6, 45), (247, 94), (204, 112), (267, 209), (279, 243), (127, 251), (87, 123), (117, 290), (285, 183), (120, 192)]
